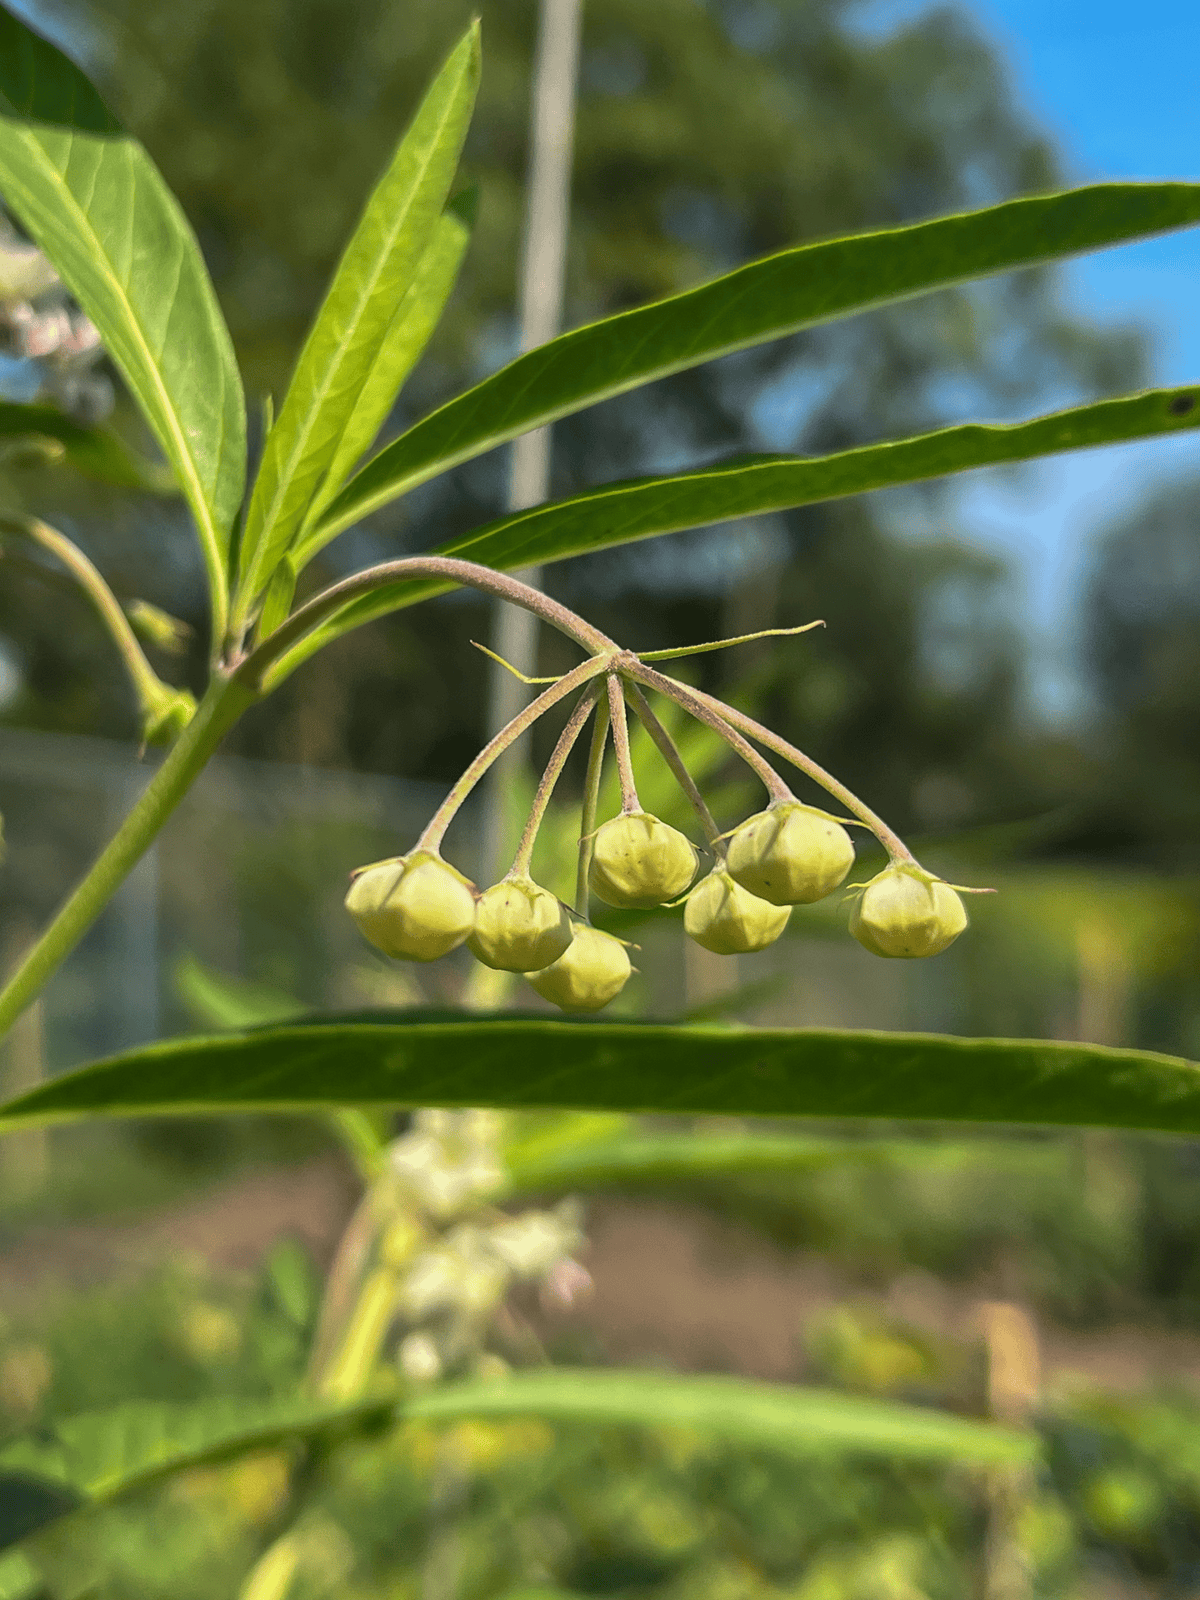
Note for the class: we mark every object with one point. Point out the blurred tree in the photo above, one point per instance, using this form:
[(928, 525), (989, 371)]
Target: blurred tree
[(707, 133), (1143, 645)]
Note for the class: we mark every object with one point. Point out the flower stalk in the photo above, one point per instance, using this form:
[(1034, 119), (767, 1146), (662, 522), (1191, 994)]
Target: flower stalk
[(558, 760)]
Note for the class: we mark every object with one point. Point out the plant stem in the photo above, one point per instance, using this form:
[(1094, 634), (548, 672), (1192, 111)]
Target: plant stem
[(710, 712), (257, 665), (351, 1368), (431, 838), (218, 711), (591, 800), (895, 846), (620, 728), (674, 760), (147, 685), (557, 761)]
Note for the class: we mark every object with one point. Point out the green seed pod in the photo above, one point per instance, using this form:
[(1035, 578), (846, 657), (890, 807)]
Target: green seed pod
[(638, 861), (416, 907), (790, 855), (593, 970), (907, 912), (519, 927), (729, 920)]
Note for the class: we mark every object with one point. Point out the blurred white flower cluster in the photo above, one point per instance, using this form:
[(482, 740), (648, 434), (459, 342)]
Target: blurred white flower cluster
[(48, 349), (457, 1257)]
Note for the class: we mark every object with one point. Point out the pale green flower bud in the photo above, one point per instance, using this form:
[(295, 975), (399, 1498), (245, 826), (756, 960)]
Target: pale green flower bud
[(638, 861), (907, 912), (790, 855), (416, 907), (729, 920), (519, 927), (592, 971)]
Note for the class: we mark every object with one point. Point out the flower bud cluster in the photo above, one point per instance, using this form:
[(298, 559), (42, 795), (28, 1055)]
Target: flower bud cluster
[(418, 907)]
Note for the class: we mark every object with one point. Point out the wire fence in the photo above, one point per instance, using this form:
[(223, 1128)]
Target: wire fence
[(248, 878)]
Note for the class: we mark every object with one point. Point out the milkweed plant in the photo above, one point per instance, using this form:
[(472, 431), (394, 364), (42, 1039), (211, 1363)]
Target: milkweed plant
[(432, 1249)]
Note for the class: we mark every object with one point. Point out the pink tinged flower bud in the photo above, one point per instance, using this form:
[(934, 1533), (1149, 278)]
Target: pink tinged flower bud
[(790, 855), (416, 907), (591, 972), (729, 920), (519, 927), (638, 861), (907, 912)]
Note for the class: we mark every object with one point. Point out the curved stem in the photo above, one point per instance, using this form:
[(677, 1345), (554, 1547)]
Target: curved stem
[(891, 841), (674, 760), (254, 669), (620, 729), (557, 761), (705, 710), (431, 838), (218, 711), (591, 801), (148, 686)]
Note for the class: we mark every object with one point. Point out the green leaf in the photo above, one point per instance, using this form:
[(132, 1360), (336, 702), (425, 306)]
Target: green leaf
[(95, 204), (398, 263), (420, 1058), (219, 1000), (98, 1455), (19, 1578), (399, 350), (98, 452), (761, 1416), (764, 300), (619, 513), (636, 1160)]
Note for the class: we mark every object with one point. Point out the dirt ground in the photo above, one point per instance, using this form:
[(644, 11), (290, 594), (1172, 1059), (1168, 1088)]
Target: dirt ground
[(672, 1285)]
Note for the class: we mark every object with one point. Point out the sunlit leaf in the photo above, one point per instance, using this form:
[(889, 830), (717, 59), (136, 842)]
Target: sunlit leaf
[(764, 300), (360, 348), (423, 1058), (96, 1456), (95, 204), (399, 350), (19, 1578), (622, 512)]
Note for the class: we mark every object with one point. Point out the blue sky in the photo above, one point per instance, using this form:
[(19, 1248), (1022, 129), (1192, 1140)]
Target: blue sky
[(1117, 86)]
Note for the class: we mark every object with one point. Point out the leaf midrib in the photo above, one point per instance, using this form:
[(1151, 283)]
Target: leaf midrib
[(321, 392), (192, 486)]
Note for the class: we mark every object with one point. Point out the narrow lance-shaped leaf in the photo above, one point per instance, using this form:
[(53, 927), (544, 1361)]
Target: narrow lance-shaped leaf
[(398, 353), (354, 335), (731, 1411), (95, 204), (639, 1159), (618, 513), (418, 1058), (764, 300), (93, 1458)]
